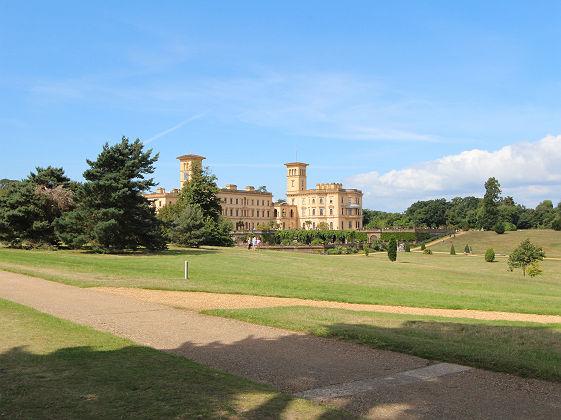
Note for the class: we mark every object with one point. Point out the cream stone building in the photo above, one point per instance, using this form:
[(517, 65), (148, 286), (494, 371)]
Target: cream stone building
[(328, 206)]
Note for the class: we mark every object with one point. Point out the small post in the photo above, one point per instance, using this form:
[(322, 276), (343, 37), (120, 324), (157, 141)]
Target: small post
[(186, 270)]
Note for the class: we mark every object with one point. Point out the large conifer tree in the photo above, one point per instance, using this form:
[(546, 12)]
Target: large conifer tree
[(111, 214), (28, 209)]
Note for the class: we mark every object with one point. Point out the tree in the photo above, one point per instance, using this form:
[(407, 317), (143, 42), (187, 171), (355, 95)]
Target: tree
[(200, 191), (534, 269), (524, 255), (489, 214), (111, 213), (556, 225), (262, 188), (323, 226), (490, 255), (29, 209), (407, 247), (452, 250), (392, 250), (499, 228), (187, 229)]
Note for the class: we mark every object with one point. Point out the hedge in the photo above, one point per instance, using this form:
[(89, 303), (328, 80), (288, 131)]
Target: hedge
[(324, 236)]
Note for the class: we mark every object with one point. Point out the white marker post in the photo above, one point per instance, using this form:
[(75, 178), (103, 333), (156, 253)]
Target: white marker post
[(186, 270)]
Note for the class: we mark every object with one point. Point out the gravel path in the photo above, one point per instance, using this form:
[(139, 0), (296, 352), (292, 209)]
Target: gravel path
[(385, 384), (200, 301)]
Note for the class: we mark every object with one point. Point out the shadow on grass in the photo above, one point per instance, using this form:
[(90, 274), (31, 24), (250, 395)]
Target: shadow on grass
[(131, 382)]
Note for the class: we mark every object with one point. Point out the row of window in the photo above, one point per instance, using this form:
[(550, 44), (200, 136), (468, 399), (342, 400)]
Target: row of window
[(246, 213), (313, 200), (348, 212), (248, 202)]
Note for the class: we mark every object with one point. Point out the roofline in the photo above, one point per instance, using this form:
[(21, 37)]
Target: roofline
[(190, 156), (296, 164)]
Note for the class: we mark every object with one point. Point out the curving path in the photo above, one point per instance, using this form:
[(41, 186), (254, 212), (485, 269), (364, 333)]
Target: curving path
[(369, 382)]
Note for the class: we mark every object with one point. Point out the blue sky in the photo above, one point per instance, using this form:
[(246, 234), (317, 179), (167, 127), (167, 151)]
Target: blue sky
[(405, 100)]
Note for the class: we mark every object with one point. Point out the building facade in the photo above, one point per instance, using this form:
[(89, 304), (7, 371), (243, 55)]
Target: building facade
[(328, 206)]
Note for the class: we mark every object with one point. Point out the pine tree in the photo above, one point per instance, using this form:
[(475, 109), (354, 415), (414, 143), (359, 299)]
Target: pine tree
[(489, 213), (187, 229), (29, 209), (452, 250), (111, 213)]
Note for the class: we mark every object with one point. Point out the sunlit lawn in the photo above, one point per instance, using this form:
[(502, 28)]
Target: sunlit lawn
[(549, 240), (440, 281)]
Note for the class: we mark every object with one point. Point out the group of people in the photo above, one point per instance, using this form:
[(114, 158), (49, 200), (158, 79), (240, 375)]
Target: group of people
[(254, 243)]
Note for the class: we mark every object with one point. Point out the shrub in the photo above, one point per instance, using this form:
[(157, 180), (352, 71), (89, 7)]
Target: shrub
[(316, 241), (510, 227), (534, 269), (427, 251), (499, 228), (490, 255), (366, 249), (407, 247), (467, 250), (452, 250), (423, 246), (392, 250)]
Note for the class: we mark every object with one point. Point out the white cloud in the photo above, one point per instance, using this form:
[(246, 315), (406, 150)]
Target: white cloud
[(530, 172)]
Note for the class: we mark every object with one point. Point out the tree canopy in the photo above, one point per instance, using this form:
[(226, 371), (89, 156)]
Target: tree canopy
[(29, 209), (111, 213), (525, 254)]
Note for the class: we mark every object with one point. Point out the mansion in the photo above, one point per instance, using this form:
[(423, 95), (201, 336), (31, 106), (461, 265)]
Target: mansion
[(328, 206)]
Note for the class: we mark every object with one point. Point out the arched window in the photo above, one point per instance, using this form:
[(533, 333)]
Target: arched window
[(276, 213)]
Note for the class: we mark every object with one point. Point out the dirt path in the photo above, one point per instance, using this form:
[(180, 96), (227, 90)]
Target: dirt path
[(372, 383), (200, 301)]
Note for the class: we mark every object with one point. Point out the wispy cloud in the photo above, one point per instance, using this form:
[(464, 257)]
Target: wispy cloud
[(175, 127), (529, 171)]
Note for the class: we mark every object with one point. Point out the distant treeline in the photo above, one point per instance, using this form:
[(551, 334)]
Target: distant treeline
[(467, 213)]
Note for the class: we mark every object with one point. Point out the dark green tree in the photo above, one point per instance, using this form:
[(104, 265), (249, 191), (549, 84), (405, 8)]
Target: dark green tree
[(489, 214), (392, 250), (490, 255), (29, 209), (111, 213), (524, 255), (187, 229), (201, 191), (452, 250)]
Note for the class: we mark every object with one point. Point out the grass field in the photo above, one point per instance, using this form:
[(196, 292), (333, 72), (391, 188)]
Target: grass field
[(51, 368), (525, 349), (549, 240), (438, 281)]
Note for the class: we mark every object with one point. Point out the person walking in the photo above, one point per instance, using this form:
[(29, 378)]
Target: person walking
[(249, 243)]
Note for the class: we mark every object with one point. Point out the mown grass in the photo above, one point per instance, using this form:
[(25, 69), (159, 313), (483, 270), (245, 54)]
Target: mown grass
[(51, 368), (521, 348), (549, 240), (437, 281)]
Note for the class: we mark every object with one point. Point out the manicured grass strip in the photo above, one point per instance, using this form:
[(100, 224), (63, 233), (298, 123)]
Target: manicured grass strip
[(548, 239), (525, 349), (433, 281), (52, 368)]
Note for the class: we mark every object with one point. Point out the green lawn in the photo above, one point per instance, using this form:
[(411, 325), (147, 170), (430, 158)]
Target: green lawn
[(51, 368), (525, 349), (439, 281), (549, 240)]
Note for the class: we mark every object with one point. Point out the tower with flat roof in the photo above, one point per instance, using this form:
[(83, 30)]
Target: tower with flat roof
[(186, 165)]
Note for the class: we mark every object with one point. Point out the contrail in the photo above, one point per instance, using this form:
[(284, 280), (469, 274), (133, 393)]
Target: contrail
[(175, 127)]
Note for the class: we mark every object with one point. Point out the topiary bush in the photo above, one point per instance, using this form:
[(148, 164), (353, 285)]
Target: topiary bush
[(366, 249), (407, 247), (392, 250), (499, 228), (427, 251), (423, 246), (452, 250), (490, 255), (467, 249)]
